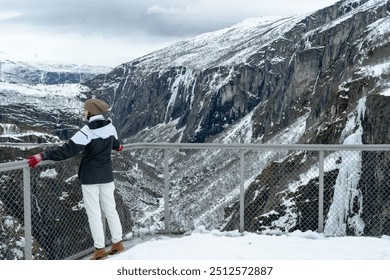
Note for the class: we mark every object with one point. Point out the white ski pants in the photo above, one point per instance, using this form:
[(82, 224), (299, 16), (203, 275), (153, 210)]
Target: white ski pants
[(94, 197)]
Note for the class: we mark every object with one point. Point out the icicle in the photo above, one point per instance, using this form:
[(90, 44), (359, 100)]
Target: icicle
[(346, 184)]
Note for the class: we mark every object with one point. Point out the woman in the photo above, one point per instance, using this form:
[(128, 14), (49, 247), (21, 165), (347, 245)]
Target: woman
[(94, 141)]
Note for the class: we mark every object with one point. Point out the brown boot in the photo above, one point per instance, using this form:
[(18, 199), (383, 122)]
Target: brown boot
[(99, 254), (116, 248)]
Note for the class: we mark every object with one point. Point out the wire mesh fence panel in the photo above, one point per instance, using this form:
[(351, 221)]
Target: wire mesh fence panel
[(202, 186), (139, 180), (288, 194), (361, 200), (355, 195), (59, 221), (269, 191), (12, 233)]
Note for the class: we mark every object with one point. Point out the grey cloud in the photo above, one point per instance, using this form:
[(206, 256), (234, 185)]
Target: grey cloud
[(114, 17), (121, 18), (79, 16)]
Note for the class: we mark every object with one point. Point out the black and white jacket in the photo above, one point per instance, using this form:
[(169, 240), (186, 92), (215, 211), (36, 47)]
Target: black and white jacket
[(94, 141)]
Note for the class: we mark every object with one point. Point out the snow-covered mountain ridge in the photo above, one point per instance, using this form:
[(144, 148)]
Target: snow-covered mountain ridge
[(235, 44), (228, 46), (37, 97), (48, 73)]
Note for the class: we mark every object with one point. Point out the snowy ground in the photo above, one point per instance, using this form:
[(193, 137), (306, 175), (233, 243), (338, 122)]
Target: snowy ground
[(214, 245), (225, 255)]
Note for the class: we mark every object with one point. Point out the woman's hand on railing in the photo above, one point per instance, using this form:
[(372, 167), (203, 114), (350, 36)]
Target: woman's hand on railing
[(34, 160)]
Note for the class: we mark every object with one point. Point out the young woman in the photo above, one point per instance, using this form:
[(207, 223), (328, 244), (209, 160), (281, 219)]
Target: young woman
[(94, 141)]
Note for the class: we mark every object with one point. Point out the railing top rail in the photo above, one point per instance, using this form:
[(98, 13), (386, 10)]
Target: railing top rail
[(157, 145), (32, 145), (8, 166), (232, 146)]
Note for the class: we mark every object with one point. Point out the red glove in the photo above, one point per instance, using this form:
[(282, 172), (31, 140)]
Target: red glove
[(34, 160), (120, 148)]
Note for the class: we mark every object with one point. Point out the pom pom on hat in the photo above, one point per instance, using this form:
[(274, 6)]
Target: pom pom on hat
[(96, 106)]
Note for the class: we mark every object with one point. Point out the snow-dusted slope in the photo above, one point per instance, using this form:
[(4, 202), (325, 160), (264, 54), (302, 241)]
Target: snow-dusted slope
[(43, 97), (46, 73), (223, 47), (235, 44), (27, 109)]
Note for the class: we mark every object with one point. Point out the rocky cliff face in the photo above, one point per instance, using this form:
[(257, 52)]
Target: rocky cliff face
[(330, 68)]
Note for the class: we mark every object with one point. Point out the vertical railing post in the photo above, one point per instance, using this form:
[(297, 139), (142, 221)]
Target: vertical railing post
[(242, 191), (321, 193), (27, 214), (166, 190)]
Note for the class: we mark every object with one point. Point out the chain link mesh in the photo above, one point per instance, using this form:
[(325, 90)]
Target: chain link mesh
[(282, 193), (58, 218), (12, 217)]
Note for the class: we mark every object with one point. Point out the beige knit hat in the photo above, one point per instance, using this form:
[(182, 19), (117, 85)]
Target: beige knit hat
[(96, 106)]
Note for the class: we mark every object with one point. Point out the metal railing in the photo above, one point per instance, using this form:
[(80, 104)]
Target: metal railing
[(175, 187)]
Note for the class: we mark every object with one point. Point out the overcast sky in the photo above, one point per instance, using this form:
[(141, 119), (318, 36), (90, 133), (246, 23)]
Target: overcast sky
[(111, 32)]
